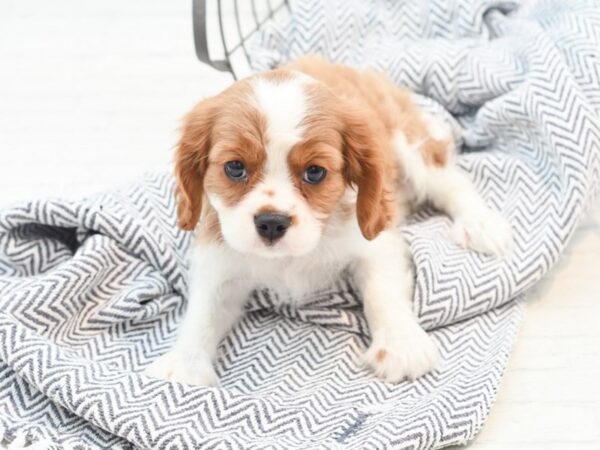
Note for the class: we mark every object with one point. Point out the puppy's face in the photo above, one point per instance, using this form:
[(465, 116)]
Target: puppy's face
[(273, 155)]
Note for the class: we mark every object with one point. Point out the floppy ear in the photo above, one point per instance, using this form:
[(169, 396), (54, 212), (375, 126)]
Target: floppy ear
[(366, 168), (191, 161)]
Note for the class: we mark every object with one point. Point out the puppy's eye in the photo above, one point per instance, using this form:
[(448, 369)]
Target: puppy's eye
[(314, 174), (235, 170)]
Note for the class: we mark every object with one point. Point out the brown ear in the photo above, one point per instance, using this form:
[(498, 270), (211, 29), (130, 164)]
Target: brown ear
[(365, 153), (191, 161)]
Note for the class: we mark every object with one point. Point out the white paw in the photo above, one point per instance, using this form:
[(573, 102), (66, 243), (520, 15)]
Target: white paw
[(484, 231), (401, 354), (183, 368)]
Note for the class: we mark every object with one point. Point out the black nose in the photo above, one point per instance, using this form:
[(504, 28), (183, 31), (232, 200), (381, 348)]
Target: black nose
[(271, 226)]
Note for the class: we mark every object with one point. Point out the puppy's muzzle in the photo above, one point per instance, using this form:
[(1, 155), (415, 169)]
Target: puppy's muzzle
[(272, 226)]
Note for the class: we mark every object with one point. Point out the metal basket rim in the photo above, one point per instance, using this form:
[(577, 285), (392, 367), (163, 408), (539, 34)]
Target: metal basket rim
[(199, 20)]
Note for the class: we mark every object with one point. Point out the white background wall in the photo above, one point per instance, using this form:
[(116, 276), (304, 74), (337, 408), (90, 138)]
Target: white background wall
[(91, 93)]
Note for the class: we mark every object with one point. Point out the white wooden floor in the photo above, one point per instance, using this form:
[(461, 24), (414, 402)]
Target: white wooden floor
[(90, 98)]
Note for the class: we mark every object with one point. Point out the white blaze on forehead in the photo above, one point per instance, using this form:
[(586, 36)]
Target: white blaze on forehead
[(283, 104)]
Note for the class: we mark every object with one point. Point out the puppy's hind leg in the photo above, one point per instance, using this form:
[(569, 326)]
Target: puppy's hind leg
[(432, 174)]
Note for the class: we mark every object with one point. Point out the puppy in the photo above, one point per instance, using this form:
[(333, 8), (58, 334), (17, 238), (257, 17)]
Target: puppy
[(291, 176)]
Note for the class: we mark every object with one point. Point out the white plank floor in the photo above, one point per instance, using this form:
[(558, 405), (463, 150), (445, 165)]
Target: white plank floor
[(90, 97)]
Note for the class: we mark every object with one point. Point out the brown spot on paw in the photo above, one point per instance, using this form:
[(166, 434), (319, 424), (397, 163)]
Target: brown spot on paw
[(436, 153), (380, 356)]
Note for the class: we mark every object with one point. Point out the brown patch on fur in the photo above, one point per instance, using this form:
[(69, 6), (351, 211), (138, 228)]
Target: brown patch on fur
[(352, 111), (324, 196), (227, 127), (191, 161), (277, 75), (239, 148), (370, 166), (240, 137), (384, 105), (380, 355), (389, 107), (269, 192), (436, 153)]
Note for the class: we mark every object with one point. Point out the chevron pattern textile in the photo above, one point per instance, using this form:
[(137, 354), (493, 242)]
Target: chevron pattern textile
[(92, 291)]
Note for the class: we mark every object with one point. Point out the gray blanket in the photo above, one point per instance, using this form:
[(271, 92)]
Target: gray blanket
[(92, 291)]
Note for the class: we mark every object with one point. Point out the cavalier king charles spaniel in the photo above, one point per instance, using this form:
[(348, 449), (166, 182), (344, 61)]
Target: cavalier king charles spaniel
[(291, 176)]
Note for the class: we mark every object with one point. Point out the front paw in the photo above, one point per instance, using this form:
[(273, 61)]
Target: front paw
[(183, 368), (407, 353), (484, 231)]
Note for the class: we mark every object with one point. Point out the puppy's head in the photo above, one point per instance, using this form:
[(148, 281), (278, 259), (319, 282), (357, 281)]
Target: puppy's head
[(273, 155)]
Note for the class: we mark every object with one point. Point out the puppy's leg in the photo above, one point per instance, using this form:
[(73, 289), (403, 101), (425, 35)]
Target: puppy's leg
[(431, 172), (215, 304), (476, 226), (400, 348)]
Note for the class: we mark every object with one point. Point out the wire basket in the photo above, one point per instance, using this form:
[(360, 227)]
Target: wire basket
[(228, 36)]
